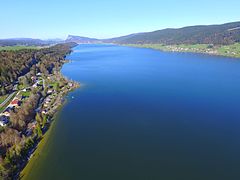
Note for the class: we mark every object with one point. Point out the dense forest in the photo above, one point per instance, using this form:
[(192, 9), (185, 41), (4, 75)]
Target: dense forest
[(14, 64), (212, 34)]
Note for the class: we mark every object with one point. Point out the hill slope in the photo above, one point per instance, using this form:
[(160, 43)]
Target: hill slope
[(82, 40), (27, 42), (213, 34)]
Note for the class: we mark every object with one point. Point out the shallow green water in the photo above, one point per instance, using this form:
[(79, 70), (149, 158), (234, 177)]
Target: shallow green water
[(145, 115)]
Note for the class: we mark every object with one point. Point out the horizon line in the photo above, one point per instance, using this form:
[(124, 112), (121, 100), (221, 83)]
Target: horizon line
[(88, 36)]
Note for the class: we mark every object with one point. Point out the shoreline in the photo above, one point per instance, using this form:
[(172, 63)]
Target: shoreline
[(178, 49), (37, 151), (42, 102), (42, 144)]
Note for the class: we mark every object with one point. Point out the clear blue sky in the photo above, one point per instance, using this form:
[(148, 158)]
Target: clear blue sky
[(108, 18)]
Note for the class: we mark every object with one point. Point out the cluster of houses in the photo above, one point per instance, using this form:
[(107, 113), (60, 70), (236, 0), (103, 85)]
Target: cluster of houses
[(5, 115), (191, 49), (16, 102), (31, 126), (36, 80), (48, 101)]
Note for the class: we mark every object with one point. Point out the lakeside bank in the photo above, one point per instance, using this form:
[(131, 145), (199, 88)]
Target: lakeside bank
[(223, 50), (142, 114), (40, 92), (41, 147)]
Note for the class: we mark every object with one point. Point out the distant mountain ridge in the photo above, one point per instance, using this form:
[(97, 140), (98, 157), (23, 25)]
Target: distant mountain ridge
[(82, 40), (223, 34), (210, 34), (28, 42)]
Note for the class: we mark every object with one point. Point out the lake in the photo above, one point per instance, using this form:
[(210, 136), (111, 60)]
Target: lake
[(142, 114)]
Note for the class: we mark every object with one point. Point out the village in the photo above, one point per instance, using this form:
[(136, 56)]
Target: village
[(46, 106)]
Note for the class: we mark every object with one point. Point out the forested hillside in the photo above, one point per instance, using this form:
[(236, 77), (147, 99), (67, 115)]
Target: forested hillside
[(14, 64), (213, 34), (28, 42)]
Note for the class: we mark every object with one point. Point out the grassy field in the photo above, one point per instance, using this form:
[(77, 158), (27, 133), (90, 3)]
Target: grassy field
[(2, 98), (26, 94), (15, 48), (224, 50), (233, 49)]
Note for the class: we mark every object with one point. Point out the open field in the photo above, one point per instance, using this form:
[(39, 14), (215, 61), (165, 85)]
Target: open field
[(15, 48), (2, 98)]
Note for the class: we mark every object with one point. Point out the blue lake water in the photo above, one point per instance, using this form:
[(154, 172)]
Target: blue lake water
[(142, 114)]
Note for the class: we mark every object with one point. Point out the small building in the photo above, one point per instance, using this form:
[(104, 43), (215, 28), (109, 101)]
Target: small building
[(35, 85), (34, 78), (70, 84), (6, 113), (3, 121), (44, 111), (32, 125), (15, 103), (50, 91)]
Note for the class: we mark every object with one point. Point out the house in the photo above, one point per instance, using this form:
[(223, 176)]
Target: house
[(15, 103), (7, 111), (30, 128), (15, 87), (3, 121), (32, 125), (34, 78), (39, 74), (50, 91), (44, 111), (35, 85)]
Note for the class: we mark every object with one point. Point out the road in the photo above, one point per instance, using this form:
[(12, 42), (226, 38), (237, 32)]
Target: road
[(11, 95), (7, 99)]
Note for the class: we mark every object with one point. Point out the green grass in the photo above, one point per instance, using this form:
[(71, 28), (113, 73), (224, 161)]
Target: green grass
[(233, 50), (26, 94), (3, 107), (20, 87), (2, 98), (40, 83), (16, 48), (54, 84)]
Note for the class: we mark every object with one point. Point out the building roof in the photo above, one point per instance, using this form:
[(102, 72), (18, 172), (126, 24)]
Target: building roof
[(15, 102)]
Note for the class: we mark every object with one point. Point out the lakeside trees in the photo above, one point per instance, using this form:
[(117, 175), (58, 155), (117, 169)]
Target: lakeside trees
[(26, 62), (22, 65)]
